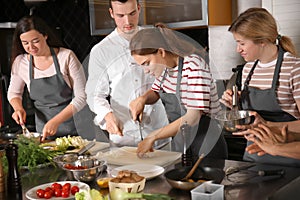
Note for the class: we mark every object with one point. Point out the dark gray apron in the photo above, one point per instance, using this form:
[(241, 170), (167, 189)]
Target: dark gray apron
[(50, 96), (175, 110), (265, 103)]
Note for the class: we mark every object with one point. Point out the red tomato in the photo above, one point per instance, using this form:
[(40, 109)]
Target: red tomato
[(40, 193), (65, 193), (57, 192), (66, 186), (48, 195), (49, 189), (74, 189), (56, 186)]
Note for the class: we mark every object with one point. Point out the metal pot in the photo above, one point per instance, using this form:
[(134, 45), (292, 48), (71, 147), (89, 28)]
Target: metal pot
[(202, 174)]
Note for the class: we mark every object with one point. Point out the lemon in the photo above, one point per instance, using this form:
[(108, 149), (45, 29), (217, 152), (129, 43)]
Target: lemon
[(103, 182)]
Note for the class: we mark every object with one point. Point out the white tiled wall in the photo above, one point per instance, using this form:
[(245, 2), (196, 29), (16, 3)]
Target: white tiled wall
[(287, 14), (222, 46)]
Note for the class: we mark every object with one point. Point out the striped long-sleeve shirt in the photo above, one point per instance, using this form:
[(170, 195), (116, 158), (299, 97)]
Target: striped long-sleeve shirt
[(197, 89), (288, 86)]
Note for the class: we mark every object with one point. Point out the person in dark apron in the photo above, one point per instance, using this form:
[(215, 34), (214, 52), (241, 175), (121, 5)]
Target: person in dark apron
[(53, 75), (263, 44), (182, 106), (207, 127), (50, 96), (264, 102)]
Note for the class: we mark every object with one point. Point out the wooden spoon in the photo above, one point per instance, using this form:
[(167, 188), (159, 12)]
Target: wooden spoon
[(191, 172)]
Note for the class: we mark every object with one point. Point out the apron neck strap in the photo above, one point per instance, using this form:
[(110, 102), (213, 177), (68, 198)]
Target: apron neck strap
[(278, 66), (276, 71), (55, 61), (179, 76)]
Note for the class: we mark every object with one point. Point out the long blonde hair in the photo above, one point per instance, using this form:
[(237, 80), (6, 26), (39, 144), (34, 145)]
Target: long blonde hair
[(258, 25)]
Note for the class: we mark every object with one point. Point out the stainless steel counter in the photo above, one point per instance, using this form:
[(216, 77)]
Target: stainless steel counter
[(256, 188)]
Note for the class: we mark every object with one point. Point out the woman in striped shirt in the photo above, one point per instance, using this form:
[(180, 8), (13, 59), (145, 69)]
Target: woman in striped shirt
[(270, 78), (184, 84)]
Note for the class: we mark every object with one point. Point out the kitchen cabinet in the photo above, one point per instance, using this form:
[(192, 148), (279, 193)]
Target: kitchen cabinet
[(176, 14), (219, 12)]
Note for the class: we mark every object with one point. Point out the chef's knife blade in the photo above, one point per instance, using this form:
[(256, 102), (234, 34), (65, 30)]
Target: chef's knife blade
[(140, 126), (86, 148)]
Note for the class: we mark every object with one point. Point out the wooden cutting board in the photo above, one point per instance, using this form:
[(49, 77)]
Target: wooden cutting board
[(127, 156)]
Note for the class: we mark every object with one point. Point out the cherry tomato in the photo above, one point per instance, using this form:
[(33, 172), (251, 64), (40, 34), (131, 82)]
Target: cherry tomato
[(48, 195), (57, 192), (40, 193), (66, 186), (74, 189), (49, 189), (65, 193), (56, 186)]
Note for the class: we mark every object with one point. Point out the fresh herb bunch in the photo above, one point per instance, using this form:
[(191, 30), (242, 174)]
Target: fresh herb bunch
[(31, 154)]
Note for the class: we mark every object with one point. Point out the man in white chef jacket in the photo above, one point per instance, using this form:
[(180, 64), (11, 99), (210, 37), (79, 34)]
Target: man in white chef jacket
[(115, 79)]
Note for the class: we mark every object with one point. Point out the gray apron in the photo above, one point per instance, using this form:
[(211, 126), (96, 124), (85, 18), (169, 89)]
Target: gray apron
[(265, 103), (206, 126), (50, 96)]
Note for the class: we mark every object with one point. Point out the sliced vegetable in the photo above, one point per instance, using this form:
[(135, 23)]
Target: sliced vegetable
[(68, 141), (92, 194)]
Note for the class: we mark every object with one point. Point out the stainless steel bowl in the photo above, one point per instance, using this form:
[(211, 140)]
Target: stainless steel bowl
[(93, 168), (66, 158), (230, 118)]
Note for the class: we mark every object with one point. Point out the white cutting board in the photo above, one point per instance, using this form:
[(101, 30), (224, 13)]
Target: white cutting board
[(127, 156), (98, 147)]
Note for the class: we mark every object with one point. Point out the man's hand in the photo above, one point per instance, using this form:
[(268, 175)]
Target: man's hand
[(244, 129), (265, 139), (113, 125), (136, 107)]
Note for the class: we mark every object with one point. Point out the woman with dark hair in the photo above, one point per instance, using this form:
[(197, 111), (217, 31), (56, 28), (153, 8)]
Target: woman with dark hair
[(270, 78), (186, 87), (53, 75)]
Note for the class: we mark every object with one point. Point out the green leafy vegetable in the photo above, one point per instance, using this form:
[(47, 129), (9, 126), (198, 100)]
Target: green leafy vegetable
[(30, 154)]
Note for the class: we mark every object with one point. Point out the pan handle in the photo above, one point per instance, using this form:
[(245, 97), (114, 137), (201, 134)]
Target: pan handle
[(278, 172)]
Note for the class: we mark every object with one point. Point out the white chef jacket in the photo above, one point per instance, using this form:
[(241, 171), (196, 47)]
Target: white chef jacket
[(113, 73)]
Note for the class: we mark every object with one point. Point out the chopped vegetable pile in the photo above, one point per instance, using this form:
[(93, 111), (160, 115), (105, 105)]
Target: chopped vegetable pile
[(65, 142), (32, 154)]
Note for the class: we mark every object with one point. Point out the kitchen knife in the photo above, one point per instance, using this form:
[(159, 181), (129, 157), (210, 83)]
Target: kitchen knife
[(86, 148), (140, 126)]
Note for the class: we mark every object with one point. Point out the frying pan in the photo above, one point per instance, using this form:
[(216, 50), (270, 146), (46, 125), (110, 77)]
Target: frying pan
[(174, 177), (7, 133)]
